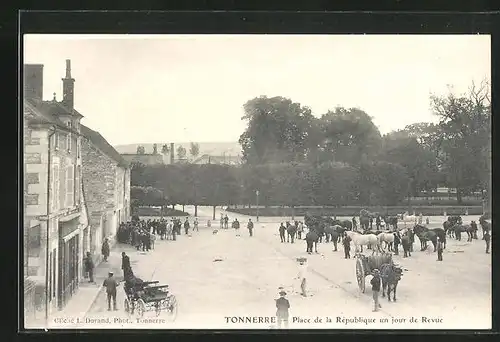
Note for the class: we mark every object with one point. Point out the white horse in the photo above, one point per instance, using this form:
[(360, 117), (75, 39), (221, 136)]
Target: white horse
[(385, 240), (361, 240), (408, 218)]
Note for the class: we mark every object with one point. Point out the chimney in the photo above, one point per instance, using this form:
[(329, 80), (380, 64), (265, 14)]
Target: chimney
[(172, 153), (68, 87), (33, 82)]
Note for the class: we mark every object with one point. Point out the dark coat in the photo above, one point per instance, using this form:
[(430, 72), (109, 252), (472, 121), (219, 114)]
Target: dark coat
[(125, 262)]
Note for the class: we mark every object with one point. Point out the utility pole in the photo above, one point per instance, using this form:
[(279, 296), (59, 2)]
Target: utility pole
[(257, 200)]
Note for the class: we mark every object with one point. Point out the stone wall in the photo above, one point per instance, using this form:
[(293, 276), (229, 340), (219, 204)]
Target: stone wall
[(99, 177)]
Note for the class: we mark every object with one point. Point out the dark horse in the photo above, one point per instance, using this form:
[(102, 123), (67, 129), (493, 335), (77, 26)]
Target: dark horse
[(450, 222), (312, 239), (391, 275), (425, 234)]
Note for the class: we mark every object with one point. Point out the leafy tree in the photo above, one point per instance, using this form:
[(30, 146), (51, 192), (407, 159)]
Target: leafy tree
[(420, 163), (141, 150), (194, 149), (349, 135), (277, 130), (181, 152), (464, 122)]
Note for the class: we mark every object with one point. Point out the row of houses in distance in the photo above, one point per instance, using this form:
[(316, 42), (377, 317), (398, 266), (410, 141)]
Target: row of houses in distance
[(211, 153), (76, 193)]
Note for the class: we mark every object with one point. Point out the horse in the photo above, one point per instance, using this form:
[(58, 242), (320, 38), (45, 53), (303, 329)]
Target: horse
[(364, 222), (388, 239), (291, 231), (312, 239), (392, 221), (408, 218), (334, 233), (390, 275), (425, 234), (360, 240)]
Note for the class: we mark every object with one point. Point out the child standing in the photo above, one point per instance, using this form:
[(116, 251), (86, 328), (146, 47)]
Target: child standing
[(282, 306)]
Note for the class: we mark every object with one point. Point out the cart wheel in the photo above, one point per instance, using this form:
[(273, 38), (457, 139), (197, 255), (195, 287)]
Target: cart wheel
[(126, 306), (140, 307), (172, 308), (360, 274)]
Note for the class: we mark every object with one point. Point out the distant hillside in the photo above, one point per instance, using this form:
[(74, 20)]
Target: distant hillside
[(210, 148)]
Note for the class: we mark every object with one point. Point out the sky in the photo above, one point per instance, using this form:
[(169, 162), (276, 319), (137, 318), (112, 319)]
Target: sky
[(181, 88)]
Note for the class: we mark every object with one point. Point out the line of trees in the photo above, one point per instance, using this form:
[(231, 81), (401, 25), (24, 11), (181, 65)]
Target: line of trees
[(293, 158), (278, 184)]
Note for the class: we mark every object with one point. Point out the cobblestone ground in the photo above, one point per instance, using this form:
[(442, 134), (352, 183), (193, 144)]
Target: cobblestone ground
[(453, 294)]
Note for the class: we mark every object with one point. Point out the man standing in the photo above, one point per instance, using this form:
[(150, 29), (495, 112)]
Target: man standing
[(111, 284), (89, 267), (282, 306), (282, 232), (397, 242), (125, 265), (302, 275), (440, 250), (354, 223), (405, 241), (195, 225), (250, 227), (300, 229), (186, 226), (221, 221), (105, 249), (226, 222), (486, 237), (473, 225), (236, 226), (347, 246), (378, 222), (375, 282)]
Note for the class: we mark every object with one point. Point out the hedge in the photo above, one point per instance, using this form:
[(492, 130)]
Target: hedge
[(354, 211), (151, 211)]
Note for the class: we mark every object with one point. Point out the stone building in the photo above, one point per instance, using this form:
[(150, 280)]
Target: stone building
[(76, 192), (106, 184), (53, 219)]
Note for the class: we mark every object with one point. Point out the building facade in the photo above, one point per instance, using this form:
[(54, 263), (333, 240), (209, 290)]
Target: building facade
[(106, 188), (76, 192), (52, 191)]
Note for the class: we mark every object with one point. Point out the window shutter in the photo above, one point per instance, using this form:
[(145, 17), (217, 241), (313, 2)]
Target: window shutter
[(62, 187), (55, 196), (69, 186), (77, 185)]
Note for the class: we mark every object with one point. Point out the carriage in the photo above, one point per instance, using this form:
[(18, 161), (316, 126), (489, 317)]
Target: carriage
[(143, 296), (366, 264)]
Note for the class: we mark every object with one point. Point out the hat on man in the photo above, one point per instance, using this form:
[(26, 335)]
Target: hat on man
[(282, 293), (110, 272), (376, 270)]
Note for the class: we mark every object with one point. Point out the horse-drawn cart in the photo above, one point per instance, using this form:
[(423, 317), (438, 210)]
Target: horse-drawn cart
[(366, 264), (143, 296)]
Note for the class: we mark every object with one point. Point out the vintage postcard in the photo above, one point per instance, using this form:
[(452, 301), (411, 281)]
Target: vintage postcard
[(257, 182)]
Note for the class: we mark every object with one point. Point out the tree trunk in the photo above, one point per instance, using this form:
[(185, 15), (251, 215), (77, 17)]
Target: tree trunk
[(213, 214), (293, 213), (459, 195), (196, 210), (173, 206), (183, 208)]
